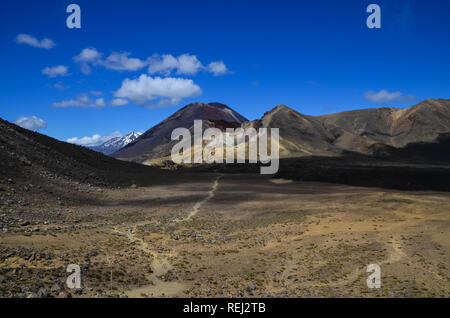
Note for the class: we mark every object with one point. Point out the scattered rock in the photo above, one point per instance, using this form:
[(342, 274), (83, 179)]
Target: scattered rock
[(42, 293), (55, 289), (64, 294), (93, 253)]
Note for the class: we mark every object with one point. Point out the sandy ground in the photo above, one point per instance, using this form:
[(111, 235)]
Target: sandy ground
[(237, 235)]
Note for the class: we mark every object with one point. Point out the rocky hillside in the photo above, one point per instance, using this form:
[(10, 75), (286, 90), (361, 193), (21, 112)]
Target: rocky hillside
[(37, 169), (300, 135), (359, 129)]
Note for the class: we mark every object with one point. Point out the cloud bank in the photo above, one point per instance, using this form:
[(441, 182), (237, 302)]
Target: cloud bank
[(184, 64), (116, 61)]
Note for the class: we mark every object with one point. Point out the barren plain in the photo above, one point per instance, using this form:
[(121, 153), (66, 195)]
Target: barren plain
[(230, 235)]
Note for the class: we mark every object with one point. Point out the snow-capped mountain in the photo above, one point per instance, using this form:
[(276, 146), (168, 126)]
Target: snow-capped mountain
[(116, 143)]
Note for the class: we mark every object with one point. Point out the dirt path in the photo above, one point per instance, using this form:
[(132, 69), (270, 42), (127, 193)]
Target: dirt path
[(160, 264), (199, 204), (395, 255), (399, 254)]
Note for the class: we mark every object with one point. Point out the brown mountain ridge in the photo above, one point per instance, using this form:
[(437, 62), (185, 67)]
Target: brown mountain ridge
[(361, 131)]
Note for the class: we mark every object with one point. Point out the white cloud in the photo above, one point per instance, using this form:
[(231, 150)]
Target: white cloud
[(81, 101), (115, 61), (85, 100), (45, 43), (59, 70), (31, 123), (167, 90), (100, 102), (218, 68), (94, 140), (188, 65), (86, 57), (384, 96), (121, 62), (85, 68), (185, 64), (60, 86), (162, 64), (119, 102)]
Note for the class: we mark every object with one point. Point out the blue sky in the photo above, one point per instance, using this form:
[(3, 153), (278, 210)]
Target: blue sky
[(317, 57)]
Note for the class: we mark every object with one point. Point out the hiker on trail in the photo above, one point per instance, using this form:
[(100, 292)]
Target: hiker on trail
[(143, 238)]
